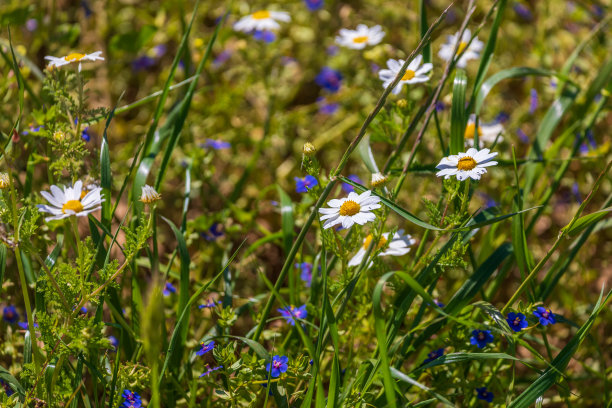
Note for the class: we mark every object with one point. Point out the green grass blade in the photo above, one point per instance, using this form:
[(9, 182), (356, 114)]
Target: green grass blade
[(458, 114), (286, 207), (403, 377)]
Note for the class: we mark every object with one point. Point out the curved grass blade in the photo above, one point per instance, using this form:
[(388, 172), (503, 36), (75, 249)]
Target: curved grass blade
[(365, 151), (458, 114), (403, 377), (586, 221), (286, 207)]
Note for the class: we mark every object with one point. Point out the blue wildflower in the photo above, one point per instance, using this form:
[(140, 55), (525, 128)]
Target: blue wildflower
[(7, 388), (522, 136), (143, 63), (277, 366), (168, 289), (210, 304), (31, 24), (264, 35), (440, 106), (25, 326), (545, 316), (502, 117), (590, 138), (32, 129), (434, 355), (439, 304), (481, 338), (209, 370), (533, 101), (160, 50), (327, 108), (314, 5), (205, 348), (332, 50), (484, 395), (114, 342), (213, 233), (222, 57), (347, 188), (10, 314), (306, 272), (216, 144), (131, 399), (329, 79), (305, 184), (523, 11), (291, 312), (517, 321)]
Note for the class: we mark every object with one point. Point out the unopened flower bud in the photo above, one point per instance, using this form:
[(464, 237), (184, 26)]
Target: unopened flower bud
[(402, 104), (309, 149), (149, 195), (4, 181), (378, 180), (58, 136)]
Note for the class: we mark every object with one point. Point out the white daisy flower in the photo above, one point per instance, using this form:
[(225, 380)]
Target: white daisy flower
[(472, 163), (361, 37), (487, 132), (71, 201), (149, 195), (400, 245), (74, 57), (472, 52), (262, 20), (378, 179), (415, 73), (354, 209)]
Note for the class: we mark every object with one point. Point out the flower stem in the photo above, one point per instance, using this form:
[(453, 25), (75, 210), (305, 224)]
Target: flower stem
[(75, 229)]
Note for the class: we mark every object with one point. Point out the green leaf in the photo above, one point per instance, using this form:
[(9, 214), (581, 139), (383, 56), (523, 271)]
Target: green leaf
[(558, 365), (184, 283), (11, 381), (458, 114), (586, 221), (403, 377), (286, 207)]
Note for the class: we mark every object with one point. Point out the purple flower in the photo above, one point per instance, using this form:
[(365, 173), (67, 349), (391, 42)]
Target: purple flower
[(216, 144), (10, 315), (24, 325), (522, 136), (325, 107), (332, 50), (523, 11), (306, 272), (32, 128), (591, 138), (7, 388), (160, 50), (31, 24), (131, 399), (314, 5), (484, 395), (489, 201), (533, 101), (209, 370), (205, 348), (264, 35), (329, 79), (168, 289), (277, 366), (213, 233), (222, 57), (481, 338), (545, 316), (291, 312), (502, 117), (143, 63), (347, 188), (440, 106), (434, 355), (210, 304), (517, 321), (114, 342), (439, 304), (303, 185)]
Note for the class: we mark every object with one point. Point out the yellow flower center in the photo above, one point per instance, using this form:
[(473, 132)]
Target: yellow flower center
[(74, 205), (470, 130), (408, 75), (462, 46), (349, 207), (75, 56), (260, 15), (361, 39), (466, 163), (368, 241)]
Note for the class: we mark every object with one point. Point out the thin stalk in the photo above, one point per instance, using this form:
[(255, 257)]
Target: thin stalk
[(75, 230)]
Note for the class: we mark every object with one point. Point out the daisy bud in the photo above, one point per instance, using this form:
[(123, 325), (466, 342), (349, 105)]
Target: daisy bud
[(149, 195), (4, 181), (402, 104), (58, 136), (378, 180), (309, 149)]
